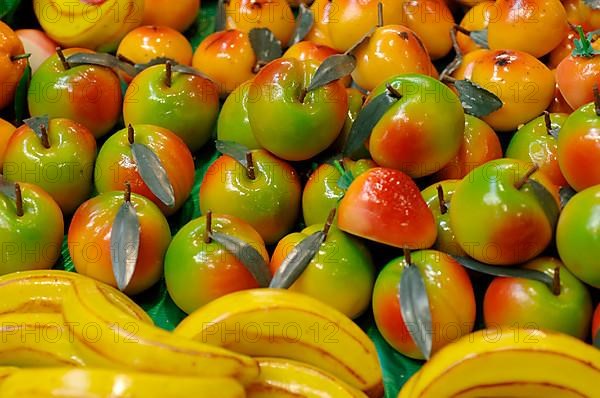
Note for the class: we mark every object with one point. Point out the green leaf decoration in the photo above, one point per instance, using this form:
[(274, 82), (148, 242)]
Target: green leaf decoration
[(37, 124), (153, 173), (101, 59), (265, 45), (155, 61), (125, 244), (360, 41), (346, 177), (593, 4), (21, 107), (304, 23), (188, 70), (476, 100), (248, 256), (333, 68), (545, 199), (8, 7), (509, 272), (480, 37), (297, 260), (583, 45), (221, 17), (366, 120), (7, 188), (234, 150), (566, 193), (416, 312)]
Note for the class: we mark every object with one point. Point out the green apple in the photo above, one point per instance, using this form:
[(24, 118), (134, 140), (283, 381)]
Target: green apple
[(61, 161), (234, 124)]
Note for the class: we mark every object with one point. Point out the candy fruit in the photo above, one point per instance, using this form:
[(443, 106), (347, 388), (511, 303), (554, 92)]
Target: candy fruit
[(60, 161), (31, 228), (90, 234), (233, 123), (198, 269), (266, 194), (117, 165), (289, 121), (341, 261), (146, 43), (385, 205), (12, 63), (578, 236), (497, 217), (476, 18), (38, 44), (177, 15), (450, 294), (579, 146), (564, 308), (407, 137), (6, 130), (183, 103), (88, 94), (276, 15), (319, 33), (322, 193)]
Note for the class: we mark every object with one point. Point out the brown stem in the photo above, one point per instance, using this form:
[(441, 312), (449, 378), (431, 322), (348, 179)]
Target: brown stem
[(329, 221), (302, 95), (44, 137), (208, 229), (127, 194), (20, 56), (462, 29), (394, 93), (123, 58), (458, 57), (443, 205), (596, 100), (519, 184), (63, 60), (379, 14), (556, 282), (168, 73), (407, 258), (548, 122), (19, 200), (250, 172), (130, 134)]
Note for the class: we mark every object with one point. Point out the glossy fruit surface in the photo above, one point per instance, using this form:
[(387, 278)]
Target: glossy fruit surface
[(385, 205), (276, 15), (197, 272), (576, 76), (38, 44), (341, 261), (10, 71), (233, 123), (578, 236), (476, 18), (532, 304), (432, 21), (146, 43), (6, 130), (451, 300), (177, 15), (90, 233)]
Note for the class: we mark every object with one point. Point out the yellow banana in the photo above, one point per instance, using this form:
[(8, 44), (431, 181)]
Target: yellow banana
[(107, 339), (97, 383), (97, 25), (29, 339), (280, 323), (509, 363), (43, 291), (282, 378)]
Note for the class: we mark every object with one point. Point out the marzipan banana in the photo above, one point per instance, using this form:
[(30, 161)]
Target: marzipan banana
[(107, 339), (43, 291), (97, 25), (96, 383), (30, 339), (284, 378), (509, 363), (280, 323)]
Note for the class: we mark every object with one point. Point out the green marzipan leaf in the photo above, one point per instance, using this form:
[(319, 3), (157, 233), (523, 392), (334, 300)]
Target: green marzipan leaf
[(21, 108), (296, 262), (566, 193), (366, 120), (593, 4), (509, 272), (8, 6), (304, 23), (248, 256), (125, 244), (234, 150), (480, 37), (416, 312), (545, 199), (153, 173), (102, 59), (476, 100), (221, 17), (333, 68), (265, 45), (7, 188), (36, 123)]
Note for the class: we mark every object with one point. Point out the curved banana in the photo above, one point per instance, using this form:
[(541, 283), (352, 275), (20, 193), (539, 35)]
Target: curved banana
[(37, 340), (280, 323), (107, 339), (43, 292), (282, 378), (97, 383), (97, 25), (509, 363)]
